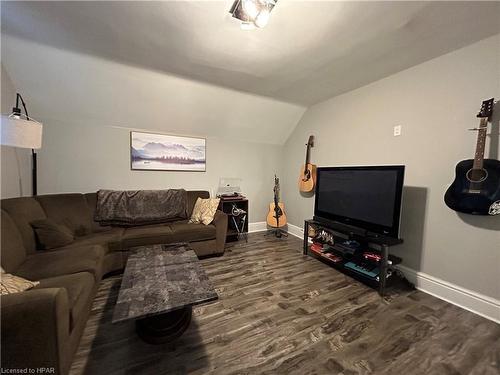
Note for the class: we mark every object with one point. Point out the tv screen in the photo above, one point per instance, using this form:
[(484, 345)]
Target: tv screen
[(365, 197)]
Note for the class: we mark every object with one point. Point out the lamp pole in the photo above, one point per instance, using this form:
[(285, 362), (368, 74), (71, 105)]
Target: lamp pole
[(33, 172)]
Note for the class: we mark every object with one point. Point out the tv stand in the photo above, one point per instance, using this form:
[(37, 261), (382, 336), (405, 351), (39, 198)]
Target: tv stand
[(351, 257)]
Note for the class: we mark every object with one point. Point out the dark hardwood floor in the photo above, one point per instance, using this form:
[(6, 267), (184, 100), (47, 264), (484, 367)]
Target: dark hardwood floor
[(282, 313)]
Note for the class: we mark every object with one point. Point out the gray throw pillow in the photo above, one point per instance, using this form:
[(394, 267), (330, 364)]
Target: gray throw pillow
[(51, 235)]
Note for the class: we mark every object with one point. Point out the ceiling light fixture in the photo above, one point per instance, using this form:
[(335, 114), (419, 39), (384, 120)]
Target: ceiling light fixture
[(252, 12)]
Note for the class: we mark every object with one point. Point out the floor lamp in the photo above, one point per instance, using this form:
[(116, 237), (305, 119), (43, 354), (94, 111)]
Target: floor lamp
[(18, 130)]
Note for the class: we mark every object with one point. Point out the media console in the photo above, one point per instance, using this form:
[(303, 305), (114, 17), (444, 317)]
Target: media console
[(359, 254)]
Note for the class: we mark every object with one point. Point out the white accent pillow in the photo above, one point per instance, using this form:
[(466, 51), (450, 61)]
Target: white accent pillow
[(204, 211), (14, 284)]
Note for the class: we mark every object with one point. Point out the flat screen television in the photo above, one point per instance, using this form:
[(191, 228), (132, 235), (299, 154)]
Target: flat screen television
[(367, 198)]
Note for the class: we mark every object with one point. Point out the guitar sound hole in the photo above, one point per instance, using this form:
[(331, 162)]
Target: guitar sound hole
[(477, 175)]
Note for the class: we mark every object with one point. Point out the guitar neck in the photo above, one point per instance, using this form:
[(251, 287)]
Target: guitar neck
[(480, 145), (309, 144), (276, 192), (307, 160)]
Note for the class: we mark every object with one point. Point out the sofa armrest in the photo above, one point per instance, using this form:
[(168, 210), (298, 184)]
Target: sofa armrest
[(35, 330), (220, 222)]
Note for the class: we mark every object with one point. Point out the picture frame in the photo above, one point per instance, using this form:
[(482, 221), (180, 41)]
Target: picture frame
[(166, 152)]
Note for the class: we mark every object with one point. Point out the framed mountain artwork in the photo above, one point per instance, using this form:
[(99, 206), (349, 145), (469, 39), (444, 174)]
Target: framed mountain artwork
[(162, 152)]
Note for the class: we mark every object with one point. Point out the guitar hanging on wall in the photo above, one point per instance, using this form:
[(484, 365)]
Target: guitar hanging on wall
[(476, 189), (307, 178)]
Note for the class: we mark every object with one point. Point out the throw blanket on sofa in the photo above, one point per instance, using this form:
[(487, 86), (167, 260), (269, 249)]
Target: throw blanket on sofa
[(140, 207)]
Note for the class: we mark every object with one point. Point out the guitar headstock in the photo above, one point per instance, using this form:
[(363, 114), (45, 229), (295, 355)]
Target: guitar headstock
[(310, 142), (486, 109)]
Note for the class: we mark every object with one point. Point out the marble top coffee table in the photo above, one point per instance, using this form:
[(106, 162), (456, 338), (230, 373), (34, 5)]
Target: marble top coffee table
[(160, 285)]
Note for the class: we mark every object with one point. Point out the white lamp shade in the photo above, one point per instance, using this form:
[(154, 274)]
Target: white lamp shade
[(17, 132)]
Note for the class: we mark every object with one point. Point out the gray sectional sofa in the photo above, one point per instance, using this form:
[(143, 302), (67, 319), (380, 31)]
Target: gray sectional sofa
[(42, 327)]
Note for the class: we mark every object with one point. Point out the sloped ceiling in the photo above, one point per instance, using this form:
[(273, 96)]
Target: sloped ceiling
[(62, 86), (310, 51)]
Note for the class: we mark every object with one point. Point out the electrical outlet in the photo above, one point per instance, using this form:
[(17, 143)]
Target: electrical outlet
[(397, 130)]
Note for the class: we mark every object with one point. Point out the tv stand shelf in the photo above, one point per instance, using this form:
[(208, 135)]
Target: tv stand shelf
[(352, 261)]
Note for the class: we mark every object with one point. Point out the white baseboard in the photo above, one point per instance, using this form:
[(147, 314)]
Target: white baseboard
[(477, 303), (259, 226), (296, 231)]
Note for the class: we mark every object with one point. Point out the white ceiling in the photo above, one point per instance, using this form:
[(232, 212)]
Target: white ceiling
[(310, 51)]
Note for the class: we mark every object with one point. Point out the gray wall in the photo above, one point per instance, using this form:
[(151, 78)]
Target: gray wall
[(435, 103), (82, 157)]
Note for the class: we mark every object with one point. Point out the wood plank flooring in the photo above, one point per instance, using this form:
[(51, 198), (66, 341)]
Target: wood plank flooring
[(282, 313)]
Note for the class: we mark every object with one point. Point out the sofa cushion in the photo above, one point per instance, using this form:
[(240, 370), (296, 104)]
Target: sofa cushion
[(111, 240), (12, 247), (91, 199), (23, 211), (79, 287), (147, 235), (186, 232), (68, 209), (49, 234), (63, 262)]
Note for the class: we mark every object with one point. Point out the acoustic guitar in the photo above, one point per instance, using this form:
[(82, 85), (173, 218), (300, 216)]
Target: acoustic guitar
[(307, 178), (476, 189), (276, 217)]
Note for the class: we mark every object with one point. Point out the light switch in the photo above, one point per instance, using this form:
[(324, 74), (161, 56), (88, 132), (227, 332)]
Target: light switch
[(397, 130)]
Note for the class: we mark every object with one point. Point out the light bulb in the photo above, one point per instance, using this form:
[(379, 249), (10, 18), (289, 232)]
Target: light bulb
[(250, 8), (247, 26), (263, 18)]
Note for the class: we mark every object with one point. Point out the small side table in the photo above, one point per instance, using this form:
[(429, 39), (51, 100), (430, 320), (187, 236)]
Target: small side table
[(237, 225)]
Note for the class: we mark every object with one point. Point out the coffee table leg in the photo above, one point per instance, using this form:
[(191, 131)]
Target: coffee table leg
[(164, 328)]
